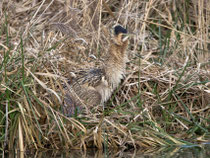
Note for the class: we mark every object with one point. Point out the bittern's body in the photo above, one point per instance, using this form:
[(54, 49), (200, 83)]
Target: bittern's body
[(91, 87)]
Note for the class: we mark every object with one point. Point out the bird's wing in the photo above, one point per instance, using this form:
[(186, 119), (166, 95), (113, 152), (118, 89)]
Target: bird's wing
[(91, 77)]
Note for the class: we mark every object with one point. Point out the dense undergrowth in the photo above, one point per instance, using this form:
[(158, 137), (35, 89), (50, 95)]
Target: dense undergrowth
[(164, 99)]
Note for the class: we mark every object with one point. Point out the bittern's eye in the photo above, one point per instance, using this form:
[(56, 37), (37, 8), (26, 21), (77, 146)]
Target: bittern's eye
[(119, 29)]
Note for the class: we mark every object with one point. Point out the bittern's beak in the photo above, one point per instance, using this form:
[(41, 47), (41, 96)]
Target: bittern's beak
[(125, 37)]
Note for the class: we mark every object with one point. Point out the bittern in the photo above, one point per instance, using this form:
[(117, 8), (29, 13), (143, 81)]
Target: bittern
[(92, 87)]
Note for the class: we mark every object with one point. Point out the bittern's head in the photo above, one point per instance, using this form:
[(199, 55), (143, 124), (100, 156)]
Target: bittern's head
[(120, 35)]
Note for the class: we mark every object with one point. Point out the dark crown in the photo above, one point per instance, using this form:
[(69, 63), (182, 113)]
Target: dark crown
[(119, 29)]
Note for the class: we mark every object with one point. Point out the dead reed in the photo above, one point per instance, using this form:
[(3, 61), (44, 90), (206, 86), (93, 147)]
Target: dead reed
[(163, 100)]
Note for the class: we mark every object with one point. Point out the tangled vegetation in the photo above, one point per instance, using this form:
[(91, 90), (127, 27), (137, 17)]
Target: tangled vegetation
[(164, 99)]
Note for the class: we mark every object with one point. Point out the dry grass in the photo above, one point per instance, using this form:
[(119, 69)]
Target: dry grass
[(164, 99)]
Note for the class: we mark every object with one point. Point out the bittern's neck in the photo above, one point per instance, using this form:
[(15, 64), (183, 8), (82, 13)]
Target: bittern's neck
[(117, 53), (115, 63)]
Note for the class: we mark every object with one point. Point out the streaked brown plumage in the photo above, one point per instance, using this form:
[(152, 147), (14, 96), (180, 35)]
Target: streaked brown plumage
[(92, 87)]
